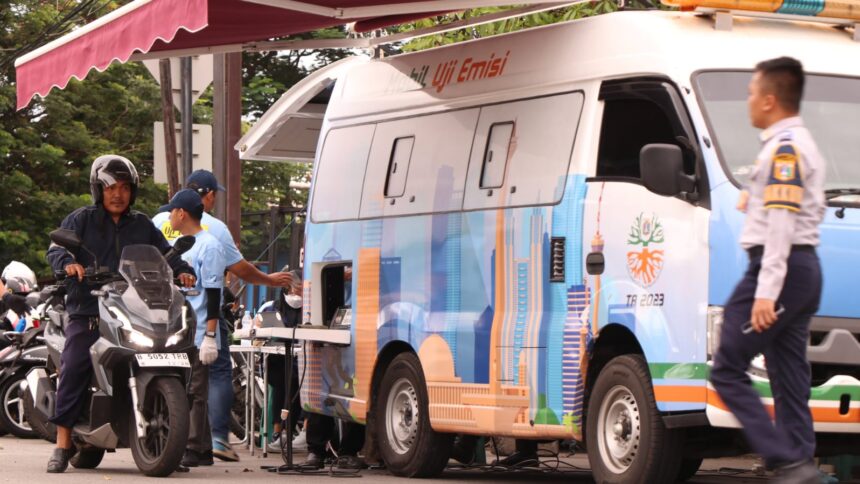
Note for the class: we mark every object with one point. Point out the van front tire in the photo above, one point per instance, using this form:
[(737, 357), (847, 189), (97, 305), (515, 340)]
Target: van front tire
[(627, 441), (408, 445)]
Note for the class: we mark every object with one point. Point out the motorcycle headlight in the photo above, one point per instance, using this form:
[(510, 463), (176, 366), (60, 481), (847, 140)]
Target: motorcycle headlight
[(715, 325), (132, 335), (177, 337)]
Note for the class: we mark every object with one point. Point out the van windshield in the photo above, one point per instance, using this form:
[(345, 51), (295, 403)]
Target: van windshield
[(830, 110)]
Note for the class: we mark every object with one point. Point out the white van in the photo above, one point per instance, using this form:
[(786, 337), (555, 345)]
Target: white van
[(481, 225)]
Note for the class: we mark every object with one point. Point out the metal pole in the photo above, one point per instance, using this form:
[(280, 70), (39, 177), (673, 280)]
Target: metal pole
[(219, 131), (169, 126), (252, 384), (187, 118), (264, 405)]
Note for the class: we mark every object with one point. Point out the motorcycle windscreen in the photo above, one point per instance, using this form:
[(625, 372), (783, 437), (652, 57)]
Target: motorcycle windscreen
[(150, 299)]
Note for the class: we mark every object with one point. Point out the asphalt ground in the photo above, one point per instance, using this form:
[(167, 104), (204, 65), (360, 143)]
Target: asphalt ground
[(24, 461)]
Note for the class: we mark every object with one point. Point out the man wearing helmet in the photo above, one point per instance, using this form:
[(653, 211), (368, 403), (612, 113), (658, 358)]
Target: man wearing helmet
[(16, 281), (105, 228)]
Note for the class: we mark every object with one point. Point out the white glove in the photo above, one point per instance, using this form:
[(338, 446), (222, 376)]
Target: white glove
[(208, 350)]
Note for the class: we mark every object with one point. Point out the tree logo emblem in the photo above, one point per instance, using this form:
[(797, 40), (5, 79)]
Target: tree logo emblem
[(646, 264)]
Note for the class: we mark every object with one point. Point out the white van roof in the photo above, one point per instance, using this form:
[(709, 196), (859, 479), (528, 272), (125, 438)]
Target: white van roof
[(539, 61), (606, 46)]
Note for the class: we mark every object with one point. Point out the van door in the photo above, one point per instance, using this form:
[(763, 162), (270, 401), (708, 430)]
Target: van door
[(654, 278)]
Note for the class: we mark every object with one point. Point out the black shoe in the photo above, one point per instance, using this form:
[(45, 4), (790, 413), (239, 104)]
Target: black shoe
[(59, 460), (800, 472), (350, 463), (519, 459), (206, 458), (190, 459), (314, 461)]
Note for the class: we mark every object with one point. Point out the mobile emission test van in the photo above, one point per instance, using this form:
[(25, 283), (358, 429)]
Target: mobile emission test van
[(507, 246)]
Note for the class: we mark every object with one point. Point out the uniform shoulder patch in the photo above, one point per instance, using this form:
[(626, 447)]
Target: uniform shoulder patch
[(785, 185)]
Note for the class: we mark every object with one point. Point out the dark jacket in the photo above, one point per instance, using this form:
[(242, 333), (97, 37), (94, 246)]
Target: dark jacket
[(105, 239)]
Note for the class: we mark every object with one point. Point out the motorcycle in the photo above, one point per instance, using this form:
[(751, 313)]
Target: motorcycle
[(51, 313), (25, 352), (140, 362)]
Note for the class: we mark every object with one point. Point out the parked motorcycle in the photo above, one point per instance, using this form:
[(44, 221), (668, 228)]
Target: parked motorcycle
[(140, 362), (52, 315), (25, 352)]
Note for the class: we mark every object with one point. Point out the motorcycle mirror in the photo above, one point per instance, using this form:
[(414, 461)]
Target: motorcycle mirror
[(183, 244), (65, 238), (33, 299)]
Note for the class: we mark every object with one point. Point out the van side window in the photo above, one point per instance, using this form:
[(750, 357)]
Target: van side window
[(398, 166), (496, 154), (521, 152), (342, 165), (638, 112)]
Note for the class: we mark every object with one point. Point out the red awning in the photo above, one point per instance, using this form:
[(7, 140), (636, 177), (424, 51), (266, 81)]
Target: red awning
[(168, 25)]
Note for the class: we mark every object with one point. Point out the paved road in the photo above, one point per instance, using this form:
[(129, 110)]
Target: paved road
[(23, 461)]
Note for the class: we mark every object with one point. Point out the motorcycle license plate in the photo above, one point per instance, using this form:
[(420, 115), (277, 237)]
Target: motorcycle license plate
[(164, 359)]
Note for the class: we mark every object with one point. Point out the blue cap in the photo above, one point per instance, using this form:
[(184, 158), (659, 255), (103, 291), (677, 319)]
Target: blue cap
[(188, 200), (203, 181)]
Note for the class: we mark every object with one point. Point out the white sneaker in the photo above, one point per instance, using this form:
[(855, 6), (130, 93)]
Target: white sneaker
[(275, 445), (301, 441)]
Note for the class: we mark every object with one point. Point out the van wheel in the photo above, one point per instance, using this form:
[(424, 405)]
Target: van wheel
[(627, 441), (87, 458), (165, 409), (408, 445)]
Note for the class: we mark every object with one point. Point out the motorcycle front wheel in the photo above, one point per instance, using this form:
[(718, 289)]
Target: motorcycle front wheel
[(165, 411)]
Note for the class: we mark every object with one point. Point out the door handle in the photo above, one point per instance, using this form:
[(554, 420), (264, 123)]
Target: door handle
[(595, 263)]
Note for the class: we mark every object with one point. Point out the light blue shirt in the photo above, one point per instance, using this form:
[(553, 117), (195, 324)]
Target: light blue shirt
[(206, 257), (210, 224)]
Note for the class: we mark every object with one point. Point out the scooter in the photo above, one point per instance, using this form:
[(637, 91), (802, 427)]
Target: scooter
[(140, 362), (52, 317), (25, 352)]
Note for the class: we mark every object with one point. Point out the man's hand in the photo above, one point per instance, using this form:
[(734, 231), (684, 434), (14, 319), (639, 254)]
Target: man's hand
[(743, 199), (208, 350), (763, 315), (187, 280), (73, 270), (280, 279)]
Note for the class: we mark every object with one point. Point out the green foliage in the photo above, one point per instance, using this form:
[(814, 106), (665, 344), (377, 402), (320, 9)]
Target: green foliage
[(504, 26)]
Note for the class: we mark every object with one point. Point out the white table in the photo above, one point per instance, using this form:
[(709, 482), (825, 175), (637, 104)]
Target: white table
[(313, 334)]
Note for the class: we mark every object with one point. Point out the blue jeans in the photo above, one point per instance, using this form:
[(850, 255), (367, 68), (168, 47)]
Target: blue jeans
[(221, 389)]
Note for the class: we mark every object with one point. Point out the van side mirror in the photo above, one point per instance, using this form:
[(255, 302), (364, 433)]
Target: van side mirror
[(65, 238), (662, 170)]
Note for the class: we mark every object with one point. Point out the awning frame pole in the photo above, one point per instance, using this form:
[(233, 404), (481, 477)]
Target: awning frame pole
[(358, 43), (388, 9)]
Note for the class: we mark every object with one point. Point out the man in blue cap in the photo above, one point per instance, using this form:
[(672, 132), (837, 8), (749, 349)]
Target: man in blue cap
[(206, 257), (220, 372)]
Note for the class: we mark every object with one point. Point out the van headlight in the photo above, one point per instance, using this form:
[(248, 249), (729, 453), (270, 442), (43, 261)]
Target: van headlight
[(132, 335), (715, 326)]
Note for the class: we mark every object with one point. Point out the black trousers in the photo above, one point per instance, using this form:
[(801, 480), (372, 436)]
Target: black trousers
[(790, 437), (199, 432), (322, 429), (76, 371), (278, 380)]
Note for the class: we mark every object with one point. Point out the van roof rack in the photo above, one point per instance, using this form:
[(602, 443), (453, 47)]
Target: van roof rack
[(844, 14)]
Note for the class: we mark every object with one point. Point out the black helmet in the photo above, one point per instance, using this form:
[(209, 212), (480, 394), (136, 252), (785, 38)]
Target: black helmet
[(109, 169)]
